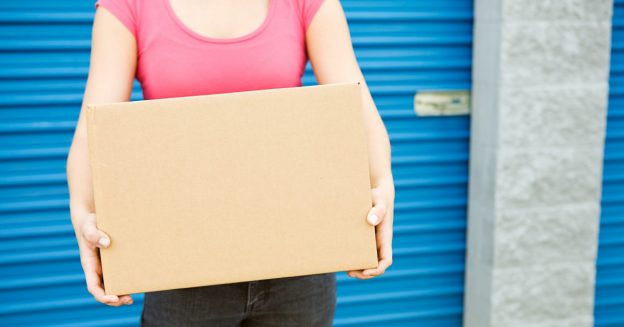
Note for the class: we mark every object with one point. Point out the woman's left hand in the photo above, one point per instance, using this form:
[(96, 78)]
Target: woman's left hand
[(381, 217)]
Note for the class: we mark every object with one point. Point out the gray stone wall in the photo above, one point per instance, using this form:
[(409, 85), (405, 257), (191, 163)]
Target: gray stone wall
[(540, 88)]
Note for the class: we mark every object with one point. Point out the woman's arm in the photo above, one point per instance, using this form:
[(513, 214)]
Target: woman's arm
[(111, 74), (333, 61)]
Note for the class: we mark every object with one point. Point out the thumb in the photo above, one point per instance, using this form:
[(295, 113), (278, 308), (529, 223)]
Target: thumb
[(376, 214), (96, 237)]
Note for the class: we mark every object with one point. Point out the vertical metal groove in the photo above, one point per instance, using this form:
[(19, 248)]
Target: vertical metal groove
[(609, 294)]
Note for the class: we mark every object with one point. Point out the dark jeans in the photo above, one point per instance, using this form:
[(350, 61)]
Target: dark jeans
[(292, 301)]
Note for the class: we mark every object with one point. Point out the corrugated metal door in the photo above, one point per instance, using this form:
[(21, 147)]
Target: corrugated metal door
[(403, 47), (609, 300)]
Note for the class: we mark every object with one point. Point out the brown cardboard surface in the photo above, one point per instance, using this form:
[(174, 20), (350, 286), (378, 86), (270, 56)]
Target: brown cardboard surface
[(232, 187)]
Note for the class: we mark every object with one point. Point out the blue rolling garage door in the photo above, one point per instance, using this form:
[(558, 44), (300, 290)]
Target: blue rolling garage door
[(403, 47), (609, 302)]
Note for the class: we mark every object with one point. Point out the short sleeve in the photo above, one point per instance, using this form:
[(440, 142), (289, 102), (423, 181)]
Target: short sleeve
[(308, 10), (124, 10)]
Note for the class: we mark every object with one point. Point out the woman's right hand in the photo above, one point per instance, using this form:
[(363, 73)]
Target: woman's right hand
[(91, 241)]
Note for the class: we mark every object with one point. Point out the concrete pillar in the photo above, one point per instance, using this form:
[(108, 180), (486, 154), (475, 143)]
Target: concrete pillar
[(540, 87)]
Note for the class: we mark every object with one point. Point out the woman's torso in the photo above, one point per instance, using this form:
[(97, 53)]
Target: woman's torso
[(175, 60)]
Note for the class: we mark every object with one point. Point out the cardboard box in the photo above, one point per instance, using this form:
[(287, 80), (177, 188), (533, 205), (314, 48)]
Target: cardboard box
[(232, 187)]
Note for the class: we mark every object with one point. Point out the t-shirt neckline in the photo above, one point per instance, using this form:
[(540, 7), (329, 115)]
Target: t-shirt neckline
[(196, 35)]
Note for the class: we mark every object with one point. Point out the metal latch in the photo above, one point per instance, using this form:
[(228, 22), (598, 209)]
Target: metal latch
[(443, 102)]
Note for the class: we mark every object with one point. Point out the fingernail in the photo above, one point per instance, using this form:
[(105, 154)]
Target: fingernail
[(104, 241), (372, 218)]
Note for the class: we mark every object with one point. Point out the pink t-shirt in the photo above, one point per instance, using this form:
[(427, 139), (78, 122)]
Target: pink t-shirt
[(175, 61)]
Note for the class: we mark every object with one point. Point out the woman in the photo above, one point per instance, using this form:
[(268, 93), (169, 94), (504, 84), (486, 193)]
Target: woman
[(191, 47)]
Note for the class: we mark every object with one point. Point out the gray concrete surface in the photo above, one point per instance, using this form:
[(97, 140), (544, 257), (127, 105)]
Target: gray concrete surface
[(540, 90)]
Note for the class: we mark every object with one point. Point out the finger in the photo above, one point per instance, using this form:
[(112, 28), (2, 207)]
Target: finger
[(94, 236), (384, 252), (376, 214), (351, 273), (379, 209), (126, 299), (94, 282), (94, 287), (380, 270), (358, 274), (385, 258)]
